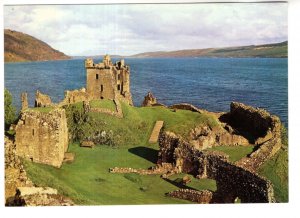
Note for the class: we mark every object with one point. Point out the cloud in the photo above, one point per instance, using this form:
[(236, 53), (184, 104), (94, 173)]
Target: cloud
[(129, 29)]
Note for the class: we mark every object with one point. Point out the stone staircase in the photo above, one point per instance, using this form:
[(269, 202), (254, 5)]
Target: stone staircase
[(156, 130)]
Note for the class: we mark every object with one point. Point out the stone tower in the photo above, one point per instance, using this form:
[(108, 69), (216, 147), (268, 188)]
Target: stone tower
[(106, 80)]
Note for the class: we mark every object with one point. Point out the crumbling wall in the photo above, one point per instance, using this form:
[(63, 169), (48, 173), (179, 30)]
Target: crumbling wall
[(185, 106), (256, 121), (264, 127), (203, 137), (75, 96), (42, 100), (15, 174), (19, 189), (232, 181), (159, 169), (202, 197), (42, 137), (149, 100), (24, 101)]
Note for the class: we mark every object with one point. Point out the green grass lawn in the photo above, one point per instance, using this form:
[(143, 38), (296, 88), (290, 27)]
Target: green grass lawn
[(88, 182), (104, 103), (235, 152)]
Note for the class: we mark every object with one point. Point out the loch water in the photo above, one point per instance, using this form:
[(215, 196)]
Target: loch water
[(208, 83)]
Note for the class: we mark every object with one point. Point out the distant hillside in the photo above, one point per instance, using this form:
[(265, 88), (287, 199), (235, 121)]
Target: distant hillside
[(20, 47), (96, 56), (278, 50)]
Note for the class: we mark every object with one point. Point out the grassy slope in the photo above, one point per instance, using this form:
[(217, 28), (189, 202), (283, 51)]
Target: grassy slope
[(104, 103), (136, 126), (276, 169), (235, 152)]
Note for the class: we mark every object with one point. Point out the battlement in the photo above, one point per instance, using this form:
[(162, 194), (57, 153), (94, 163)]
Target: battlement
[(105, 64)]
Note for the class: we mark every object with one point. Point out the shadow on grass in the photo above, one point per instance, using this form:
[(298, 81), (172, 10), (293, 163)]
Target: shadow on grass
[(178, 183), (149, 154)]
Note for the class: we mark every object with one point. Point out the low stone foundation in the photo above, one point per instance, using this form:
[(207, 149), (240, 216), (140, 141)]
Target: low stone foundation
[(164, 168), (202, 197), (185, 106)]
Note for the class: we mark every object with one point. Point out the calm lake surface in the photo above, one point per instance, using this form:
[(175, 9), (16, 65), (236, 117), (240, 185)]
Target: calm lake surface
[(209, 83)]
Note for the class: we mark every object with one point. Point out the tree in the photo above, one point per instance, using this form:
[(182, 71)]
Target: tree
[(9, 109)]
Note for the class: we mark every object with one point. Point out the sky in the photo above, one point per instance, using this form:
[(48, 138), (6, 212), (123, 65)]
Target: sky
[(131, 29)]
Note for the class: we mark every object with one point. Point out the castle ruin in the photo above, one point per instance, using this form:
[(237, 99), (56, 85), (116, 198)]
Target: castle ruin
[(106, 80), (42, 137)]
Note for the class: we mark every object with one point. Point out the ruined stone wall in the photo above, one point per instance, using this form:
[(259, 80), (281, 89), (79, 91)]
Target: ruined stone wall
[(232, 181), (256, 121), (149, 100), (15, 174), (42, 137), (164, 168), (19, 189), (203, 137), (185, 106), (42, 100), (202, 197), (75, 96), (24, 101), (264, 127)]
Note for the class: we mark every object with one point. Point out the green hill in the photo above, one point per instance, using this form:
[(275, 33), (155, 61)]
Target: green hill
[(19, 47), (276, 50)]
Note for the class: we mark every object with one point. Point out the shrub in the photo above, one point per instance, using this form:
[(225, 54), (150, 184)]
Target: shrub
[(9, 109)]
